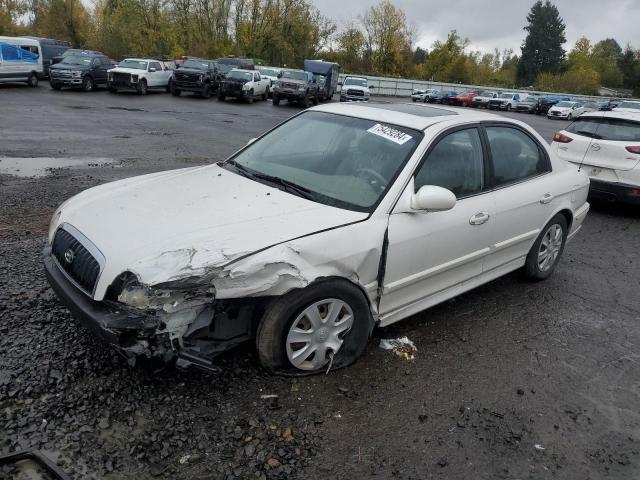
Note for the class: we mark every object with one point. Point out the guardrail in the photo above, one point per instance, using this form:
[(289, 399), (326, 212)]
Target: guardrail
[(402, 87)]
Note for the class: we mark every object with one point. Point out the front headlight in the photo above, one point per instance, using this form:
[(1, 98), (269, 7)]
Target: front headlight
[(76, 73), (55, 219), (168, 300)]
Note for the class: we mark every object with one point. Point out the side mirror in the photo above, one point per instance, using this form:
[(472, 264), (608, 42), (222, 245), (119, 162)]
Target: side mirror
[(433, 199), (279, 74), (251, 140), (153, 69)]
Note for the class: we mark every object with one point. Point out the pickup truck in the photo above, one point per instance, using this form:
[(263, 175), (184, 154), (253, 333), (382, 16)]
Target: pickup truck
[(296, 86), (139, 74), (245, 85), (196, 75), (483, 98)]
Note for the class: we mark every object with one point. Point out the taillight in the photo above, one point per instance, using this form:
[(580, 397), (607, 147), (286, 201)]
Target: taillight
[(633, 150), (562, 138)]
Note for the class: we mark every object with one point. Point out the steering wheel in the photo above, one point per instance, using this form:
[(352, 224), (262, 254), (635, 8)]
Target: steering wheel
[(374, 178)]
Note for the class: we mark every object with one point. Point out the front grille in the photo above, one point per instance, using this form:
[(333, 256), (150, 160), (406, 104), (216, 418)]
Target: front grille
[(120, 78), (233, 87), (355, 93), (187, 79), (76, 260), (60, 73)]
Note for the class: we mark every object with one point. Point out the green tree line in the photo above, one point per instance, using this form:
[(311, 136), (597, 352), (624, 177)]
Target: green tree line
[(284, 32)]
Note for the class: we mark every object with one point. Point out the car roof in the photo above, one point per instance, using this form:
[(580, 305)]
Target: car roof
[(409, 115), (242, 70), (619, 114)]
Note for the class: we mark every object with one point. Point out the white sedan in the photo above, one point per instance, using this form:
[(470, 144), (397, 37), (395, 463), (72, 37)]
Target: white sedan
[(566, 110), (343, 218), (606, 145)]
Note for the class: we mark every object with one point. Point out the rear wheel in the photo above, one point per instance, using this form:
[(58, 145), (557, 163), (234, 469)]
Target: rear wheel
[(547, 249), (32, 80), (87, 84), (315, 99), (265, 95), (305, 101), (508, 107), (325, 326)]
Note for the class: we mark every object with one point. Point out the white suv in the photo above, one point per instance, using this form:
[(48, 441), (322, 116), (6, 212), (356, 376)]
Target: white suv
[(607, 147), (338, 220)]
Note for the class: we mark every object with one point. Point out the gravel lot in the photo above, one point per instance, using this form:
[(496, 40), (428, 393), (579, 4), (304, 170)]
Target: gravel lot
[(512, 380)]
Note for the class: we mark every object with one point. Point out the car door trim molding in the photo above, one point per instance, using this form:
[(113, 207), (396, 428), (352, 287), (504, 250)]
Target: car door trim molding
[(441, 268)]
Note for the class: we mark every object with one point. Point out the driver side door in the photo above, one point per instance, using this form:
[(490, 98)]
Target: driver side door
[(431, 253)]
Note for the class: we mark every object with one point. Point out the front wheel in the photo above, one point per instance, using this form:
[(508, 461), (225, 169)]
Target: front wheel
[(87, 84), (32, 80), (250, 97), (276, 99), (508, 107), (315, 99), (174, 91), (221, 95), (142, 87), (265, 95), (547, 249), (206, 91), (55, 86), (325, 326), (570, 117)]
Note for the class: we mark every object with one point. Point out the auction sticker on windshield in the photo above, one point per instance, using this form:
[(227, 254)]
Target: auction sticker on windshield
[(389, 133)]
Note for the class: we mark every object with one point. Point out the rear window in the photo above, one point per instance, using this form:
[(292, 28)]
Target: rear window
[(614, 129)]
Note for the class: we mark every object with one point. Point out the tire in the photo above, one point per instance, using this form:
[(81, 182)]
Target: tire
[(88, 84), (281, 314), (141, 88), (220, 96), (465, 104), (32, 80), (206, 91), (552, 239), (315, 99), (508, 107), (174, 91), (265, 95), (55, 86), (113, 89), (169, 86), (250, 98), (305, 101), (570, 117), (276, 99)]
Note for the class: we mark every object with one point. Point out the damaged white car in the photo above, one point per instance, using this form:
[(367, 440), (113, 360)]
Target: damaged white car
[(342, 218)]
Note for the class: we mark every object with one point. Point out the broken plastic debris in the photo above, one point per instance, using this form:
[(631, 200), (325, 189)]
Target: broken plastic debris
[(403, 347), (184, 459), (538, 446)]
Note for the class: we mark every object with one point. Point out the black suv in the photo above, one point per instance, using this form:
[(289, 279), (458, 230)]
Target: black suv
[(196, 75), (85, 70)]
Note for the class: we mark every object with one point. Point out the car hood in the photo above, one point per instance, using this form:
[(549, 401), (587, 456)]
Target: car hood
[(67, 66), (132, 71), (356, 87), (182, 223), (190, 71), (560, 109)]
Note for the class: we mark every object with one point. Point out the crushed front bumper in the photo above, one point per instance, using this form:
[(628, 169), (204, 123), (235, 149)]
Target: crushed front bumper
[(217, 328), (125, 330)]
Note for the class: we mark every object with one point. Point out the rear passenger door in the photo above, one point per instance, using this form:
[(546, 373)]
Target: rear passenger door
[(430, 253), (523, 191)]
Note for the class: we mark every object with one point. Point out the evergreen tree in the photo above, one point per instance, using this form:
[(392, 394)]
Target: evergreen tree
[(542, 51)]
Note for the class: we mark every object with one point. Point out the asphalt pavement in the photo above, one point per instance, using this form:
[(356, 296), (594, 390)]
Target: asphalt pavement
[(512, 380)]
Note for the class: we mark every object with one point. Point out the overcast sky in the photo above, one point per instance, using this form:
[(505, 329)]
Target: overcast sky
[(499, 23)]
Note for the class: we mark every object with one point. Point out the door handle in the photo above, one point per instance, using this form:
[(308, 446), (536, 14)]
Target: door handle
[(546, 198), (479, 218)]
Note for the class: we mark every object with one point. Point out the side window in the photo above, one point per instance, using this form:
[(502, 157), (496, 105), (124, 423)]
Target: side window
[(515, 155), (456, 163), (9, 52), (256, 77), (155, 65), (105, 62)]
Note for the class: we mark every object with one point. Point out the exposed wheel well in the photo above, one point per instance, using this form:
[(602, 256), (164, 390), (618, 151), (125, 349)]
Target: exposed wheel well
[(568, 216)]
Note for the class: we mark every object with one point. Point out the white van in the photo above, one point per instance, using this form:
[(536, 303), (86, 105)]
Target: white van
[(20, 60)]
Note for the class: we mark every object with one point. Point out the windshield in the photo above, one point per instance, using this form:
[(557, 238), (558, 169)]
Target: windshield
[(634, 105), (530, 100), (486, 94), (565, 104), (240, 75), (268, 72), (338, 160), (294, 75), (360, 82), (133, 64), (76, 60), (506, 95), (196, 64)]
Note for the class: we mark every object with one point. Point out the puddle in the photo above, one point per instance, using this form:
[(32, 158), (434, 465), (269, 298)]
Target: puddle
[(43, 166)]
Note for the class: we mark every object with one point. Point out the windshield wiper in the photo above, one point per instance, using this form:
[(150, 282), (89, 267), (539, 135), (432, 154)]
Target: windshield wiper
[(285, 184)]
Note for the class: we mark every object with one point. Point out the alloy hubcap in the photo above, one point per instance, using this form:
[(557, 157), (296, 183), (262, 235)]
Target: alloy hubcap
[(317, 333), (550, 247)]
